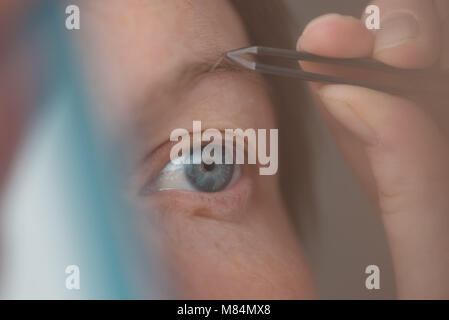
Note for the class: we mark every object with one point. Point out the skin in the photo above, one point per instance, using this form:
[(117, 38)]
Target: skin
[(397, 147), (236, 243)]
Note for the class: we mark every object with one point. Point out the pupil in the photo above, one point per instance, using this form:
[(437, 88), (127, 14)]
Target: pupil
[(208, 167)]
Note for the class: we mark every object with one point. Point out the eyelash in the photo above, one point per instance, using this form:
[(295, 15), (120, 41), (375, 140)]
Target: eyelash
[(228, 204)]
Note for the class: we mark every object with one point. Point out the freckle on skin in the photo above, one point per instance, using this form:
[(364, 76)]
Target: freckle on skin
[(203, 212)]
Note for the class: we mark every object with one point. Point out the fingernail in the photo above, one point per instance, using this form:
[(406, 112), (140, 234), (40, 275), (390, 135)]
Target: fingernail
[(346, 116), (395, 29)]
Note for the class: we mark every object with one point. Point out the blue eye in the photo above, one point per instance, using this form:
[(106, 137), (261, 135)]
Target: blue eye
[(180, 174), (209, 177)]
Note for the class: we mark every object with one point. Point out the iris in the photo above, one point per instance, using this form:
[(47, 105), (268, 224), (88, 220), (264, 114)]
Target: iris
[(209, 177)]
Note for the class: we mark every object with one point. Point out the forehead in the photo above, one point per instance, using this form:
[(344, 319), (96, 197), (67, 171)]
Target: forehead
[(159, 35), (139, 48)]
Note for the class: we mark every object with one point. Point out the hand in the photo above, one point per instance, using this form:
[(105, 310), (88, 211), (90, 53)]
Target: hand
[(398, 148)]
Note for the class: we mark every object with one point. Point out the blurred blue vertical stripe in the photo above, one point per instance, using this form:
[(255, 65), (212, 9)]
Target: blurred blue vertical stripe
[(105, 239)]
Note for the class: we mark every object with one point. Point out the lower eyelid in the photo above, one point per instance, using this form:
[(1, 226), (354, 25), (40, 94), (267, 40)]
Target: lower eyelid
[(227, 205)]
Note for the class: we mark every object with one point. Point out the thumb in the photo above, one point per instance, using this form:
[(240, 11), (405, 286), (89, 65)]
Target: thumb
[(409, 160), (410, 33)]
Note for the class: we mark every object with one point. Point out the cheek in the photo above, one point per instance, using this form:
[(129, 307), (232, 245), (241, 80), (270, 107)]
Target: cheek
[(231, 246), (215, 259)]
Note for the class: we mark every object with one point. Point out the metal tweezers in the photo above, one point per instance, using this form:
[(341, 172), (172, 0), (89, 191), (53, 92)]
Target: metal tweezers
[(412, 79)]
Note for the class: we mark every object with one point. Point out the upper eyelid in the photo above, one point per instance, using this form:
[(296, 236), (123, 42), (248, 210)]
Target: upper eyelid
[(168, 144)]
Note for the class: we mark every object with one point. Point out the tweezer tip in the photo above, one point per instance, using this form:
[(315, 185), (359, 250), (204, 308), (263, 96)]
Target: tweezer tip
[(238, 52), (234, 55)]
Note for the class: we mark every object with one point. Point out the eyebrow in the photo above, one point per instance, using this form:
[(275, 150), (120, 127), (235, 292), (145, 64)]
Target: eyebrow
[(195, 71), (189, 74)]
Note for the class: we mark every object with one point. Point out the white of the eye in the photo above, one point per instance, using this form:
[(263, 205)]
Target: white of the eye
[(172, 176)]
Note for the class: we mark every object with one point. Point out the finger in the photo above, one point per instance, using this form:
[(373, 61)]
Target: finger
[(335, 36), (409, 36), (408, 157), (340, 32), (332, 35), (352, 149)]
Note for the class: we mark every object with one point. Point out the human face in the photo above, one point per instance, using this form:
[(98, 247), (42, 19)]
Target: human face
[(156, 67)]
